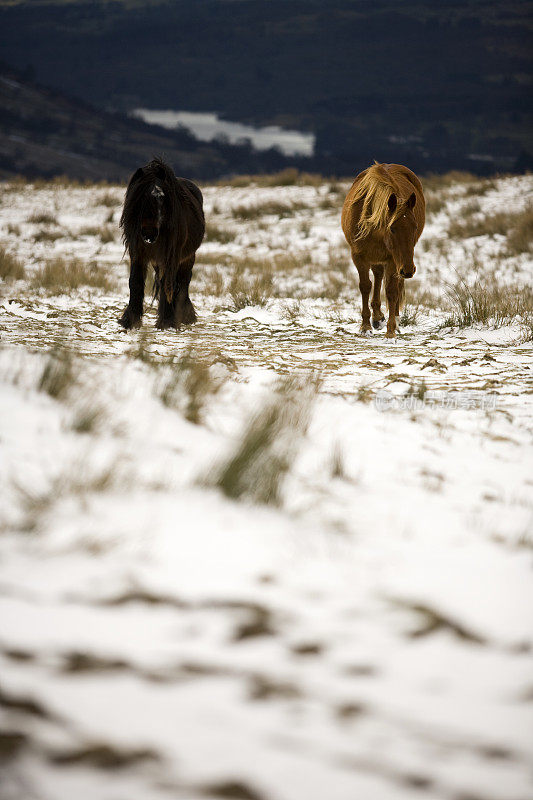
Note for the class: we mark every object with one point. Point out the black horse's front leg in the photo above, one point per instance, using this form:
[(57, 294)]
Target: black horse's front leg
[(132, 316)]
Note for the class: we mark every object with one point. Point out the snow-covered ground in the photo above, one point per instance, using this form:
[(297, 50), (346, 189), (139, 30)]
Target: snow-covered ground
[(368, 635)]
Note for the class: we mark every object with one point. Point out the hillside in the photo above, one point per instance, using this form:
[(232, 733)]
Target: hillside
[(44, 133), (437, 85)]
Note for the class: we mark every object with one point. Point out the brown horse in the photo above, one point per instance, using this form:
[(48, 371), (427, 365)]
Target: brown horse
[(382, 219)]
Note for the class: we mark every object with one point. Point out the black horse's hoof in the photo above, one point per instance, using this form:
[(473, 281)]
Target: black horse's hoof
[(188, 316), (165, 324), (377, 324), (129, 320)]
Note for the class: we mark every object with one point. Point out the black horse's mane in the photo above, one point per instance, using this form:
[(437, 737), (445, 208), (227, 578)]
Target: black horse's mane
[(138, 197)]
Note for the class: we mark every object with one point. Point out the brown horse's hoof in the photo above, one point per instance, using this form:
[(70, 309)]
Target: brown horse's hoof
[(390, 335)]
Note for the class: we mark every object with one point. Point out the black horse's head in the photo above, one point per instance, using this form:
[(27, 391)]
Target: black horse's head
[(153, 215), (149, 203)]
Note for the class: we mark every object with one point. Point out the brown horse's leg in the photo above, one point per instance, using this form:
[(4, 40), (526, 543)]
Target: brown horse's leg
[(401, 296), (377, 314), (132, 315), (391, 292), (365, 286), (185, 313)]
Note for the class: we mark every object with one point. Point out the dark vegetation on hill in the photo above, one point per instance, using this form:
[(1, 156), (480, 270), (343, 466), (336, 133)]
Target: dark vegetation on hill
[(44, 133), (436, 85)]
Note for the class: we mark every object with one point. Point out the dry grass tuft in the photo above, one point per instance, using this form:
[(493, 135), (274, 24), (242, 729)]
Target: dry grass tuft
[(187, 385), (328, 202), (527, 326), (435, 183), (204, 257), (213, 283), (365, 394), (108, 200), (269, 445), (418, 390), (11, 268), (59, 375), (419, 296), (15, 184), (409, 315), (520, 237), (305, 228), (332, 281), (435, 202), (481, 188), (248, 289), (470, 208), (87, 417), (517, 226), (45, 235), (101, 755), (214, 233), (437, 191), (487, 303), (141, 349), (251, 280), (285, 263), (287, 177), (337, 467), (107, 234), (467, 227), (43, 218), (89, 230), (268, 208), (291, 310), (78, 479), (59, 275), (334, 286), (64, 182)]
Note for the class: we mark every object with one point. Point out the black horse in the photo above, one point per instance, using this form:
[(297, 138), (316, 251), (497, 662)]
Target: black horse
[(162, 224)]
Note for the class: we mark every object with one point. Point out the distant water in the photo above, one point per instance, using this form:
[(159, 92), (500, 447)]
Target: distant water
[(206, 126)]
